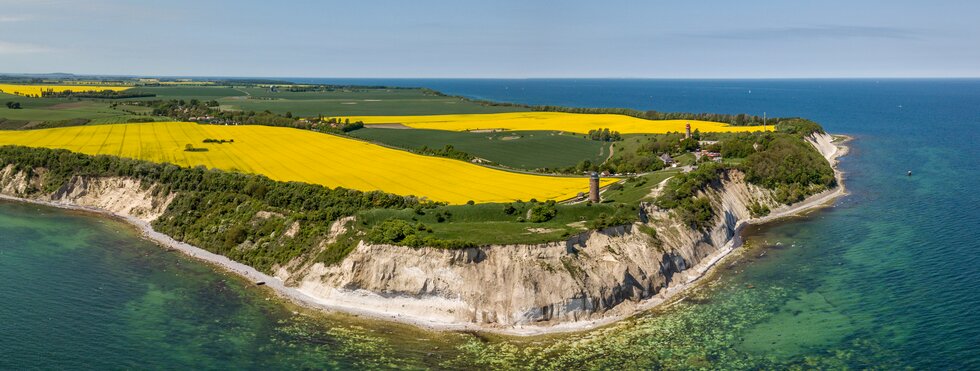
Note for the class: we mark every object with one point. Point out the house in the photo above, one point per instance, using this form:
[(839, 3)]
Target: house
[(713, 156), (667, 159)]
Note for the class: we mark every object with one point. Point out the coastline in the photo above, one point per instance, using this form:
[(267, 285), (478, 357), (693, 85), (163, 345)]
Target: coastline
[(706, 266), (693, 276)]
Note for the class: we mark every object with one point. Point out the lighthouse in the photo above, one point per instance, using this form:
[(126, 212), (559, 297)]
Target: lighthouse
[(594, 187), (687, 134)]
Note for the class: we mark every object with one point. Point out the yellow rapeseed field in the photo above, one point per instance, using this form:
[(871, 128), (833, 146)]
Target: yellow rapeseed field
[(571, 122), (298, 155), (35, 90)]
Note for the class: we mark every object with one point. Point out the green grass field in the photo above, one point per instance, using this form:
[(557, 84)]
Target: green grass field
[(516, 149), (26, 102), (489, 224), (35, 110), (630, 143), (189, 92), (633, 142), (638, 188)]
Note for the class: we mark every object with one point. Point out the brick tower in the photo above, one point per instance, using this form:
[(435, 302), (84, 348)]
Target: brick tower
[(594, 187)]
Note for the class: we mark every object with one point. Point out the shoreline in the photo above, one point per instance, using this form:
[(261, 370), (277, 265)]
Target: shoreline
[(706, 266), (297, 296)]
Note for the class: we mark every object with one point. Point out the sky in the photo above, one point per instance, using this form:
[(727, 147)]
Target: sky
[(493, 39)]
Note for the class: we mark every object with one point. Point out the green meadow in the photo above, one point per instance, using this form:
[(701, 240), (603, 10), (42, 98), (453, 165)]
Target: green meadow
[(526, 150)]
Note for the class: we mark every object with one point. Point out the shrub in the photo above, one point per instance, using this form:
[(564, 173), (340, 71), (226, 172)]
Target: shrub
[(799, 127), (620, 217), (696, 212), (543, 212), (757, 209), (402, 233), (393, 231)]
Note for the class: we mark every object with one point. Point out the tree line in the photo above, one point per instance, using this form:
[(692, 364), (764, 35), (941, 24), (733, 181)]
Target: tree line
[(605, 135)]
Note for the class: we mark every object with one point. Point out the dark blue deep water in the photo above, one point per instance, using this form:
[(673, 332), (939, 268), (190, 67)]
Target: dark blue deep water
[(889, 276)]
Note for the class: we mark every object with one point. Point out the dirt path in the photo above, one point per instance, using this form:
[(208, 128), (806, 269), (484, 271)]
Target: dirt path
[(659, 188), (388, 126)]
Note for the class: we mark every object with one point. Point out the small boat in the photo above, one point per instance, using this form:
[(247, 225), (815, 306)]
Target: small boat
[(910, 173)]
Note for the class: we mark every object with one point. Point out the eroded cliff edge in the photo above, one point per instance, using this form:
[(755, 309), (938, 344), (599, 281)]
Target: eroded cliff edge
[(587, 280)]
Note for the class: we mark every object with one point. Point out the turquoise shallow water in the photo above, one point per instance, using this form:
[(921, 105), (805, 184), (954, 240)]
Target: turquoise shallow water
[(84, 292), (886, 277)]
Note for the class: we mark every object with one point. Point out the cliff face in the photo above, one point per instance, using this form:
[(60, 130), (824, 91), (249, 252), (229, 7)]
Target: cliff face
[(588, 277), (122, 196), (592, 276), (823, 142)]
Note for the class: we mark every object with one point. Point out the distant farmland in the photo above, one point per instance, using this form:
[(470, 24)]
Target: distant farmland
[(32, 90), (522, 150), (355, 101), (297, 155), (571, 122)]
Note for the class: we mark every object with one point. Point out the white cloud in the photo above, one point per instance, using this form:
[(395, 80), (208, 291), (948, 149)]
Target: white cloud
[(14, 18), (19, 48), (812, 32)]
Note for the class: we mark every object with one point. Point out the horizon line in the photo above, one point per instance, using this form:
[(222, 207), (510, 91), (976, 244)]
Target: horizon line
[(503, 77)]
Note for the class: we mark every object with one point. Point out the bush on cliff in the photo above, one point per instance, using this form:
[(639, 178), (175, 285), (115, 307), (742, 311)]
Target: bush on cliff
[(542, 212), (403, 233)]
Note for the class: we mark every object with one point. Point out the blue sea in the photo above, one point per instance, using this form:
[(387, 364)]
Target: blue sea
[(887, 277)]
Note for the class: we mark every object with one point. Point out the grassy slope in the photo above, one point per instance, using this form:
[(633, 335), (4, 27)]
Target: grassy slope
[(488, 224), (522, 150), (485, 224), (632, 142), (639, 188)]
